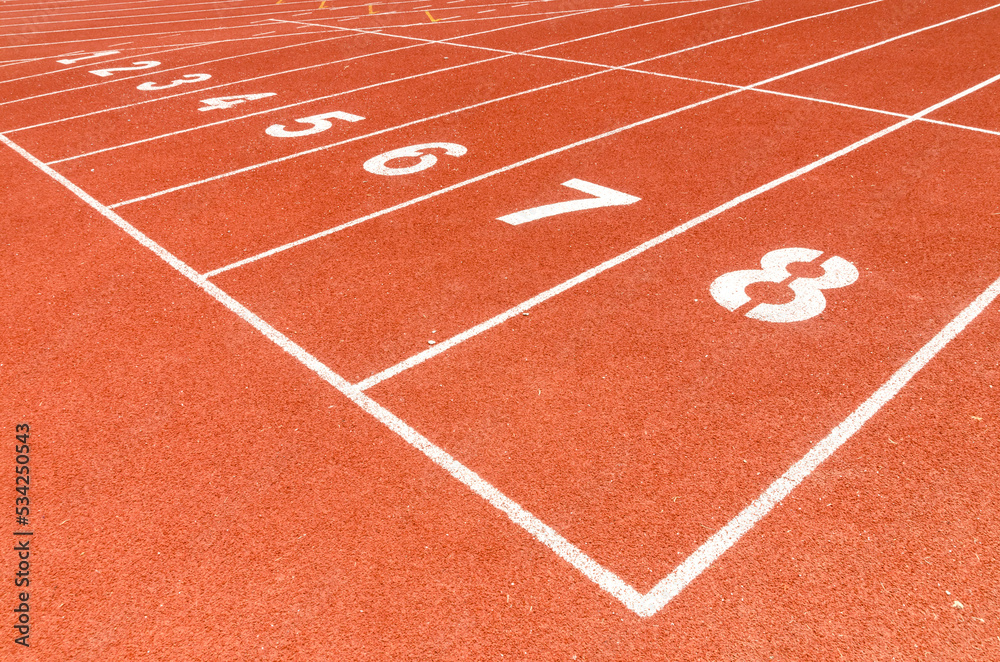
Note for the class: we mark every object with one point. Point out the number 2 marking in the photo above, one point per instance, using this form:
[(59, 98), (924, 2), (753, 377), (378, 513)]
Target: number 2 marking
[(319, 124), (729, 290), (603, 197), (221, 103), (145, 64), (186, 78), (377, 164), (87, 56)]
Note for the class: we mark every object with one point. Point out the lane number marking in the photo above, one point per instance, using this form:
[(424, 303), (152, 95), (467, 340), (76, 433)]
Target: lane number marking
[(87, 56), (221, 103), (186, 78), (729, 290), (603, 197), (377, 164), (137, 66), (319, 124)]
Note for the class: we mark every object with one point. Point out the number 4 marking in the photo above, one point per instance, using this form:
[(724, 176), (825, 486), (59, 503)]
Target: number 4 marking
[(603, 197), (221, 103)]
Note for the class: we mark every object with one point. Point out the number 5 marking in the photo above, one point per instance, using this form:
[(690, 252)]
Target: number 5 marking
[(730, 289), (377, 164), (603, 197), (186, 78), (319, 124)]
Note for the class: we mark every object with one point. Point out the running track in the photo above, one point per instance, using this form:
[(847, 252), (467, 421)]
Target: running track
[(465, 330)]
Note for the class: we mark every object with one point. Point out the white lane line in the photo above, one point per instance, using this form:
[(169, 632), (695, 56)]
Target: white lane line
[(163, 48), (140, 25), (160, 71), (369, 135), (605, 69), (210, 87), (291, 105), (825, 102), (324, 233), (264, 33), (445, 345), (518, 515), (120, 9), (447, 189), (726, 537), (326, 28), (648, 23), (644, 605), (151, 34)]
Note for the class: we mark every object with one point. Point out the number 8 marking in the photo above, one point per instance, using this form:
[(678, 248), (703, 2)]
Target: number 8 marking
[(730, 289)]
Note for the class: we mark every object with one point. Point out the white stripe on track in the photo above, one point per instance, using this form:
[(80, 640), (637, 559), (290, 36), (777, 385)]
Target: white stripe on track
[(534, 526), (605, 69), (445, 345)]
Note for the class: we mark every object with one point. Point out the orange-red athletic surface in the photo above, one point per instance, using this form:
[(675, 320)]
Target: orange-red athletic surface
[(200, 491)]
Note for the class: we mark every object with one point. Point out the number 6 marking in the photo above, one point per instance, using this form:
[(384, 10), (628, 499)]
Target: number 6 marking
[(730, 289), (377, 164), (319, 123), (603, 197), (186, 78)]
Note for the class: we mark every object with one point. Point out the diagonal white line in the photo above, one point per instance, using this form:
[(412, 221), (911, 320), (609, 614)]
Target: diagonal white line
[(534, 526), (233, 119), (608, 67), (324, 233), (726, 537), (605, 69), (445, 345)]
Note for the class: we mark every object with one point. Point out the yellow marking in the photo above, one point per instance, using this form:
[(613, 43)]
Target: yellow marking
[(279, 2), (322, 4), (433, 20), (370, 10)]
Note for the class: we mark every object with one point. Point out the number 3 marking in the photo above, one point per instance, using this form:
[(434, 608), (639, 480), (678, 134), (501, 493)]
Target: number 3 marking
[(186, 78), (603, 197), (730, 289), (137, 66), (319, 123), (377, 164)]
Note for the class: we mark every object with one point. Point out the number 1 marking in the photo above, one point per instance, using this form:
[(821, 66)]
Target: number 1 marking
[(603, 197), (87, 56)]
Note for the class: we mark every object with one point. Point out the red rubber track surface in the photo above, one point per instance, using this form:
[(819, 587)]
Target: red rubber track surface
[(285, 405)]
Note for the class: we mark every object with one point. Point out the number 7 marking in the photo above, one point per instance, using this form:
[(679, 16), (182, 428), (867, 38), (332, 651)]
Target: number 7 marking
[(603, 197)]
